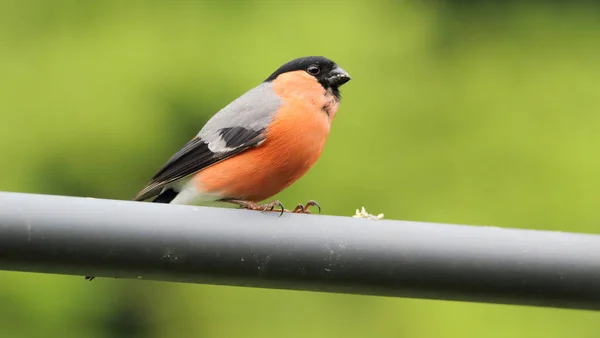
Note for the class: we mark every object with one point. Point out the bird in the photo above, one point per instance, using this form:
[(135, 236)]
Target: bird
[(257, 145)]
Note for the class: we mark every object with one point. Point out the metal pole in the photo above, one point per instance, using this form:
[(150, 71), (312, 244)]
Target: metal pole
[(125, 239)]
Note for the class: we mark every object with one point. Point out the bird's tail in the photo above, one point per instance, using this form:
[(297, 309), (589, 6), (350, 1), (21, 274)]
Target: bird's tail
[(166, 196)]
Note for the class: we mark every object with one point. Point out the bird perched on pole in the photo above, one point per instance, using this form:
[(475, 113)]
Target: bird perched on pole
[(257, 145)]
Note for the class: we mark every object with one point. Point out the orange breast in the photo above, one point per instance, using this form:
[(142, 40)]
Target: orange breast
[(293, 144)]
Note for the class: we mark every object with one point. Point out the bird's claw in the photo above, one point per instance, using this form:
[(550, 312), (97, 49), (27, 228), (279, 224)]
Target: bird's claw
[(260, 207), (300, 209), (271, 206), (303, 209)]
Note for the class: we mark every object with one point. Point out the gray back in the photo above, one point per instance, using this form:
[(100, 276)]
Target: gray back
[(253, 110)]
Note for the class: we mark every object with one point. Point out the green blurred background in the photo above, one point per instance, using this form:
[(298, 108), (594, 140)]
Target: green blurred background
[(481, 113)]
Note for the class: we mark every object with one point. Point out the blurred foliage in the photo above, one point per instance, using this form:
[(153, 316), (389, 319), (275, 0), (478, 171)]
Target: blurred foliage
[(458, 112)]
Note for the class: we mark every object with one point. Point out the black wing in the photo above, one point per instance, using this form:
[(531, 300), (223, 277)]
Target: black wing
[(196, 155)]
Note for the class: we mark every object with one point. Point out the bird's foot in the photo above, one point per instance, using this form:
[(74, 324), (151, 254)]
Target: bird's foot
[(303, 209), (300, 209), (259, 207)]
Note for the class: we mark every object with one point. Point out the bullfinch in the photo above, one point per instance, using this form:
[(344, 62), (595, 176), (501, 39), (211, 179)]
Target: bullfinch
[(257, 145)]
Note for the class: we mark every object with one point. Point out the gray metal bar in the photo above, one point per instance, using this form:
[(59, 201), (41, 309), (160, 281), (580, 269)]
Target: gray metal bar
[(125, 239)]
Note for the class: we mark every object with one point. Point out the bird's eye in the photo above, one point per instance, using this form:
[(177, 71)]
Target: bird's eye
[(313, 70)]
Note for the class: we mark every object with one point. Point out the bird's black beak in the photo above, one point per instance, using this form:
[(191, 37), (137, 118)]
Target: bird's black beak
[(338, 76)]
